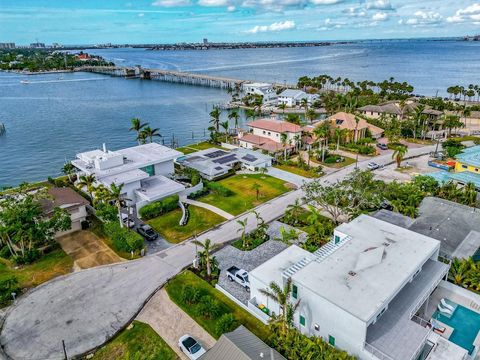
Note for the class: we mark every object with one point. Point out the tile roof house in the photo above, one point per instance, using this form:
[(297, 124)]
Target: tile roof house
[(343, 120), (393, 108)]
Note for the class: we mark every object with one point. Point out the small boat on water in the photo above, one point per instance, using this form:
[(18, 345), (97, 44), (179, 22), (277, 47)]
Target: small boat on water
[(24, 81)]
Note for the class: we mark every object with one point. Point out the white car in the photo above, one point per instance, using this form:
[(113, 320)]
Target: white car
[(191, 347), (372, 166)]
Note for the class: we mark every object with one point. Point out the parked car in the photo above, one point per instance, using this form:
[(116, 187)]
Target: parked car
[(437, 155), (382, 146), (240, 276), (191, 347), (147, 232), (372, 166)]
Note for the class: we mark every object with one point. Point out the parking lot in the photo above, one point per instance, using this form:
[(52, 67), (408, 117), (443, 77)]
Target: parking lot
[(410, 168)]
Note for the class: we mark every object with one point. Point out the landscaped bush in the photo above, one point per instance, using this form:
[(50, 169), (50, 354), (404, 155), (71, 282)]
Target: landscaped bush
[(208, 307), (160, 207), (8, 285), (359, 148), (190, 295), (226, 323), (29, 257), (333, 159), (123, 239), (219, 189), (5, 252), (106, 212), (198, 194)]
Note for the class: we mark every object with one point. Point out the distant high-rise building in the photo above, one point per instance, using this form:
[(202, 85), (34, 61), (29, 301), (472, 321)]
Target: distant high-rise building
[(205, 41), (37, 45), (7, 45)]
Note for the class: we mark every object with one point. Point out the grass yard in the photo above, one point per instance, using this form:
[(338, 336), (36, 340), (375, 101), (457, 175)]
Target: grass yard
[(188, 149), (348, 161), (244, 197), (51, 265), (137, 342), (174, 290), (298, 171), (200, 220)]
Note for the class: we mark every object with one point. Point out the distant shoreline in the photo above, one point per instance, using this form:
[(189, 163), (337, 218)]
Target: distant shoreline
[(40, 72)]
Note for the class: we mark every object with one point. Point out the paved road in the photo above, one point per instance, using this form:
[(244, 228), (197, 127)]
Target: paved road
[(88, 307)]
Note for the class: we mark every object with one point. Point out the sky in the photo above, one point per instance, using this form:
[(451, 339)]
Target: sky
[(170, 21)]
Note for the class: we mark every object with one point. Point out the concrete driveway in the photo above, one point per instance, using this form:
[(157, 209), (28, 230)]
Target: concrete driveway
[(171, 322), (287, 176), (87, 250), (88, 307)]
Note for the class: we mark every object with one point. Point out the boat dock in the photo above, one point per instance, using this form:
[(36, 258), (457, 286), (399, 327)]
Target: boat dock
[(172, 76)]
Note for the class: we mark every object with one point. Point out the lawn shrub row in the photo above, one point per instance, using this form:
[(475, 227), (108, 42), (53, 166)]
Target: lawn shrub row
[(218, 189), (123, 239), (160, 207), (361, 149), (198, 194)]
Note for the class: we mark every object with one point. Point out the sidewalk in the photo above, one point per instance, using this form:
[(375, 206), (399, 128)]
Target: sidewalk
[(212, 208)]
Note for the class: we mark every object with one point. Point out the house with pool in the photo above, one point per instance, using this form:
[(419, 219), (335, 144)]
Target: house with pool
[(376, 290), (144, 170)]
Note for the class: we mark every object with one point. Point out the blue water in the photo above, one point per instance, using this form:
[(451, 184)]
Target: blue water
[(50, 120), (466, 324)]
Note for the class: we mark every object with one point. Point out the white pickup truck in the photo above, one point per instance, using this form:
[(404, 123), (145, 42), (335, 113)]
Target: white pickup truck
[(239, 275)]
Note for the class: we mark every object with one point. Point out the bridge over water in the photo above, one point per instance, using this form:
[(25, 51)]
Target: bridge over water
[(172, 76)]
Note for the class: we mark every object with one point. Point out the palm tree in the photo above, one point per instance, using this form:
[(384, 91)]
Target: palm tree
[(399, 154), (208, 248), (295, 210), (235, 116), (68, 169), (243, 224), (340, 135), (225, 125), (215, 115), (256, 186), (311, 115), (249, 114), (117, 197), (137, 126), (149, 133), (87, 181), (283, 140), (304, 104), (282, 106), (459, 270), (282, 297), (320, 133)]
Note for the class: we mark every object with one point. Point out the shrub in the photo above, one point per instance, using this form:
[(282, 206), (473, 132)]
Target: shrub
[(219, 189), (29, 257), (5, 252), (160, 207), (60, 183), (8, 285), (106, 212), (198, 194), (332, 159), (225, 324), (190, 295), (208, 307), (123, 239)]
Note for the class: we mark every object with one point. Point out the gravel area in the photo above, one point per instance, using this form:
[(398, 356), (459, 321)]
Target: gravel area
[(274, 231), (247, 260)]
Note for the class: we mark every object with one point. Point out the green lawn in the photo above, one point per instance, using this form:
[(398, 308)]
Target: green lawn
[(51, 265), (348, 161), (200, 220), (244, 197), (298, 171), (138, 342), (174, 289), (188, 149)]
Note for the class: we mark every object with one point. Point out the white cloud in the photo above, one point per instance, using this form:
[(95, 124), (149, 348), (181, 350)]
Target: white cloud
[(354, 11), (422, 18), (214, 2), (380, 16), (470, 13), (172, 3), (379, 5), (231, 8), (260, 4), (276, 26)]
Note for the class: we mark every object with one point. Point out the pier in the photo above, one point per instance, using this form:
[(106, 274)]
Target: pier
[(172, 76)]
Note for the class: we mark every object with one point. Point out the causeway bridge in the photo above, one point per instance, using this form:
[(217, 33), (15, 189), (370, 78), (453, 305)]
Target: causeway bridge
[(172, 76)]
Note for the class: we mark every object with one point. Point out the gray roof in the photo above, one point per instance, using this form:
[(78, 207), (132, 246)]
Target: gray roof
[(241, 344), (293, 93), (394, 218)]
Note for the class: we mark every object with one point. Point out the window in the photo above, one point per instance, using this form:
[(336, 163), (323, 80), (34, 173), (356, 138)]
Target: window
[(277, 135), (269, 133), (317, 327), (150, 170), (263, 132), (302, 320), (294, 291), (337, 239), (331, 340)]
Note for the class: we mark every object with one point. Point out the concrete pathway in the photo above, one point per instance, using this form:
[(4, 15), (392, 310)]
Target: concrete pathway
[(87, 250), (212, 208), (171, 322), (287, 176), (88, 307)]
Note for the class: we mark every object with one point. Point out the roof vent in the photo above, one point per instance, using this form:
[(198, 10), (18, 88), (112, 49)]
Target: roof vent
[(352, 273)]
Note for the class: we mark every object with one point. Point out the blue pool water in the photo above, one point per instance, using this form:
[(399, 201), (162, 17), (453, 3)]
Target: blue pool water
[(466, 324)]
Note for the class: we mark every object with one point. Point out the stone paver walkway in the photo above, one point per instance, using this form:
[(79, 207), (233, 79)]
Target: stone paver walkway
[(212, 208), (87, 250), (171, 322)]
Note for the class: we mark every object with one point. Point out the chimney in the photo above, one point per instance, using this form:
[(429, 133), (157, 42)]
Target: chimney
[(104, 148)]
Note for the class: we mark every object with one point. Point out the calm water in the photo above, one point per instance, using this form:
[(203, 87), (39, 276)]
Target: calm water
[(52, 118)]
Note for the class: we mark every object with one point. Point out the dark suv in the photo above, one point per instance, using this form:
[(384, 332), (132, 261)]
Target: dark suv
[(147, 232)]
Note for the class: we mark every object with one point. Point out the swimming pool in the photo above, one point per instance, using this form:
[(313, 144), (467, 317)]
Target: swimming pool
[(466, 324)]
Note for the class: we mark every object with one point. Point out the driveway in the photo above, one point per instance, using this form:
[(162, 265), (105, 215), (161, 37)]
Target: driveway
[(88, 307), (171, 322), (87, 250), (287, 176)]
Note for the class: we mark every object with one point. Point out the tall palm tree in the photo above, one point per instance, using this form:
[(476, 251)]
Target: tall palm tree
[(283, 140), (304, 105), (295, 210), (225, 126), (149, 133), (68, 169), (87, 182), (282, 106), (215, 117), (137, 126), (256, 186), (311, 115), (243, 224), (208, 248), (117, 197), (399, 154), (235, 116), (249, 114), (282, 297)]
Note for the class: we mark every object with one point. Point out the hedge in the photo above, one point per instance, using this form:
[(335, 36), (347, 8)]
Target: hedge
[(8, 285), (158, 208), (123, 239), (198, 194), (219, 188)]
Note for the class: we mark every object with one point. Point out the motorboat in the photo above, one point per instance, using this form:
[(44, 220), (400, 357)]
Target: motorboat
[(24, 81)]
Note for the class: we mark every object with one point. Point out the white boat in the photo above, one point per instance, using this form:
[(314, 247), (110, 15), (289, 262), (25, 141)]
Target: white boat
[(24, 81)]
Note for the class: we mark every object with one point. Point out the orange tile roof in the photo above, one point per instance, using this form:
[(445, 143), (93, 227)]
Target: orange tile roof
[(275, 125), (263, 143), (345, 120)]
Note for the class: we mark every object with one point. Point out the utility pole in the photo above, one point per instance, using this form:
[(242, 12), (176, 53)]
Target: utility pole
[(64, 350)]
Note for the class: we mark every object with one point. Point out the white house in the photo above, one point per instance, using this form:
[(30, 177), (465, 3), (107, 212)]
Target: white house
[(291, 97), (144, 170), (266, 90), (362, 291)]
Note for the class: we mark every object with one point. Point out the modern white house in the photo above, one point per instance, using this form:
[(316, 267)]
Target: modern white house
[(144, 170), (363, 292), (266, 90), (291, 97)]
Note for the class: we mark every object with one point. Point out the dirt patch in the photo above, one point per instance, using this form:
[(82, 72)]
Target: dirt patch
[(87, 250)]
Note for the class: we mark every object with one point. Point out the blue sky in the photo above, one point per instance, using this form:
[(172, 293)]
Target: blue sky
[(167, 21)]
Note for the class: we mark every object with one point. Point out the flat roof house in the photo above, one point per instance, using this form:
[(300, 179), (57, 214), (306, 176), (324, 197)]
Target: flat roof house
[(144, 170), (266, 90), (361, 291)]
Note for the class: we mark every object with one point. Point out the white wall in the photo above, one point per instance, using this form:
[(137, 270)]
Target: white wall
[(245, 144), (164, 168)]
